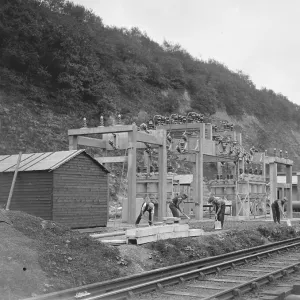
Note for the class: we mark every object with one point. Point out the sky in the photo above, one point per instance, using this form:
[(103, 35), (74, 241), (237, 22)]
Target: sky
[(259, 37)]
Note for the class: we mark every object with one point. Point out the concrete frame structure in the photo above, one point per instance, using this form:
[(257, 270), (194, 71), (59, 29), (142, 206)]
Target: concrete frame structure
[(127, 137), (273, 162), (200, 148)]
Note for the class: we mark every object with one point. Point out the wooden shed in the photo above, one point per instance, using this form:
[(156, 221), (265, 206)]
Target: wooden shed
[(69, 187)]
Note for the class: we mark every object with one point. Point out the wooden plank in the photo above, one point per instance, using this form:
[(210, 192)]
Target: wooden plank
[(14, 181), (225, 280), (112, 159), (101, 130), (201, 286), (91, 142), (148, 138), (184, 294)]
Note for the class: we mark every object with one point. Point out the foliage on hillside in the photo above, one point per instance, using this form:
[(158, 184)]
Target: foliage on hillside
[(60, 52), (58, 58)]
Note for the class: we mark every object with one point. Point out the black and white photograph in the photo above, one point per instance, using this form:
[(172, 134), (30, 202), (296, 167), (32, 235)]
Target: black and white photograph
[(149, 149)]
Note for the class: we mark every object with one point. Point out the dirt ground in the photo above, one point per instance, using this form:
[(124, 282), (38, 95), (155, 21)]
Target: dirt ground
[(39, 257)]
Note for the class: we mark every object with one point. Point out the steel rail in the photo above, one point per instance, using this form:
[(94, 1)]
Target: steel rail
[(255, 283), (128, 281), (182, 277)]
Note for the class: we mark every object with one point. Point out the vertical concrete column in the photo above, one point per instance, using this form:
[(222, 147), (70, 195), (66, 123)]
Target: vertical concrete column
[(162, 186), (73, 142), (298, 186), (273, 184), (209, 131), (289, 176), (131, 175), (239, 140), (199, 175)]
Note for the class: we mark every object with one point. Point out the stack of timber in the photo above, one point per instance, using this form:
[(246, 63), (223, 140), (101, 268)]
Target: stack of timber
[(154, 233)]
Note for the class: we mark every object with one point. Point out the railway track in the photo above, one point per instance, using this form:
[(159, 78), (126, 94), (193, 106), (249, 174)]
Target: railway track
[(181, 277)]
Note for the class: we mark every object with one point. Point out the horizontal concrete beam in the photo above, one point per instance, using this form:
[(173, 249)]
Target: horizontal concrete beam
[(191, 157), (148, 138), (111, 159), (278, 160), (100, 130), (90, 142)]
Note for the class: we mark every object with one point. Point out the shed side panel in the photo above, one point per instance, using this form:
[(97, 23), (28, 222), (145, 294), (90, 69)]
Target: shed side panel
[(80, 193), (32, 192)]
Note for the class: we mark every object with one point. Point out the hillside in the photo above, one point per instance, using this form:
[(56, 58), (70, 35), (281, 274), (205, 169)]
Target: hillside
[(60, 63)]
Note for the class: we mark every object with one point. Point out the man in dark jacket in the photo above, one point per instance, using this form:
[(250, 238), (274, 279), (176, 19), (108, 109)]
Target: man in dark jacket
[(219, 205), (277, 206), (174, 205)]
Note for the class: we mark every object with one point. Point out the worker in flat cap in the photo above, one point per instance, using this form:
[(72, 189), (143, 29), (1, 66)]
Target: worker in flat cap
[(277, 207), (219, 206)]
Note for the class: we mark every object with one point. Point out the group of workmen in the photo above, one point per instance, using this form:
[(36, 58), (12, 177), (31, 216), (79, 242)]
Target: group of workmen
[(217, 202)]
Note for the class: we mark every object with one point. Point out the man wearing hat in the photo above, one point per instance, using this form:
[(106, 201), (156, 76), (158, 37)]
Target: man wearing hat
[(219, 205), (149, 207), (174, 205), (277, 206)]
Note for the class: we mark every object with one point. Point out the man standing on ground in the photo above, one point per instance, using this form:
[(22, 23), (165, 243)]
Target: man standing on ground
[(277, 206), (174, 205), (219, 205), (149, 207)]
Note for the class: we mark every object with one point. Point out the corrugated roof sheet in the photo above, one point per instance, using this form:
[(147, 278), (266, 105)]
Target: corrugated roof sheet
[(184, 178), (39, 161)]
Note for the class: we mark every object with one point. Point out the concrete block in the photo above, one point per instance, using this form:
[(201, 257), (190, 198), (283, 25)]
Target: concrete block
[(165, 236), (195, 232), (140, 232), (166, 228), (181, 234), (131, 232), (116, 242), (171, 219), (142, 240), (181, 227), (169, 222)]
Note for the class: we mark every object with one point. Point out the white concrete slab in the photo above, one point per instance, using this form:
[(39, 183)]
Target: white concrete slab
[(181, 227), (146, 231), (165, 236), (143, 240), (179, 234)]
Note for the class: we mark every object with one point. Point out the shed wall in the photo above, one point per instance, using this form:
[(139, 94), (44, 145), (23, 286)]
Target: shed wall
[(32, 192), (80, 193)]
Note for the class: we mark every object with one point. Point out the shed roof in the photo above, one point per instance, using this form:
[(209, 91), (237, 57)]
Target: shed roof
[(46, 161)]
